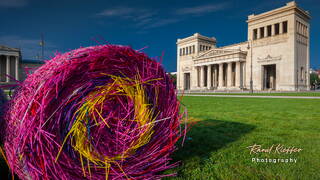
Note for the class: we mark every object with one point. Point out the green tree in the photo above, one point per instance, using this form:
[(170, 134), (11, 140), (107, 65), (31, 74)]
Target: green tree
[(314, 79), (174, 78)]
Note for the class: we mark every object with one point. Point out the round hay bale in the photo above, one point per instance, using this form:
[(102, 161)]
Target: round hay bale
[(99, 112)]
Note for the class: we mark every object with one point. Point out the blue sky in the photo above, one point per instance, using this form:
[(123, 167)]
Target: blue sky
[(70, 24)]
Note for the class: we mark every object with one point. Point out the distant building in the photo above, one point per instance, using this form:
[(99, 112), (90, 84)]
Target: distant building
[(10, 59), (12, 67), (275, 56), (30, 66)]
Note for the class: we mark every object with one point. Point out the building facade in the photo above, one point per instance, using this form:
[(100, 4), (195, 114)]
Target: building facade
[(28, 66), (9, 65), (13, 68), (275, 56)]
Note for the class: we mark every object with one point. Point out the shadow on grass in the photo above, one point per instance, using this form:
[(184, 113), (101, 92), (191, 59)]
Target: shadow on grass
[(207, 136), (4, 170)]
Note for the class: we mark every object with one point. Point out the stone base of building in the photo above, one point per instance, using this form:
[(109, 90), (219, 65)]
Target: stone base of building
[(245, 89), (229, 88)]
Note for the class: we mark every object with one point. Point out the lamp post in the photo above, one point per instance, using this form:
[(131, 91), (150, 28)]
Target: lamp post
[(42, 47), (306, 80), (297, 86), (251, 82)]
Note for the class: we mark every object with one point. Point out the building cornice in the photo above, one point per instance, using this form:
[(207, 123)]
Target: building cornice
[(236, 44), (195, 37), (290, 6), (6, 48)]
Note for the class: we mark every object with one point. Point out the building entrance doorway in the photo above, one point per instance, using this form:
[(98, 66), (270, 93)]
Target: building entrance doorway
[(186, 81), (269, 77)]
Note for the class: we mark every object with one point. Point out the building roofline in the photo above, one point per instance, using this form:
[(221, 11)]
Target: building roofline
[(7, 48), (289, 6), (245, 42), (196, 36)]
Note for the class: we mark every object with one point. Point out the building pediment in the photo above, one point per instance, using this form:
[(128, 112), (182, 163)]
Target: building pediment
[(214, 52), (226, 57), (220, 56)]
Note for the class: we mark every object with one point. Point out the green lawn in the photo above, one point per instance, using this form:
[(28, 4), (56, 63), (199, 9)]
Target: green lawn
[(311, 93), (216, 145)]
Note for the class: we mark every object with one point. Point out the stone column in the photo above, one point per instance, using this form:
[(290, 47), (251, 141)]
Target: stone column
[(280, 28), (17, 67), (273, 30), (266, 31), (271, 82), (198, 76), (215, 75), (258, 33), (8, 68), (209, 85), (201, 76), (221, 75), (229, 74), (238, 77)]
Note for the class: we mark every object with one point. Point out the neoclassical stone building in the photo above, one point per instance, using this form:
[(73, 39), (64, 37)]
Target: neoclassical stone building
[(9, 64), (275, 57)]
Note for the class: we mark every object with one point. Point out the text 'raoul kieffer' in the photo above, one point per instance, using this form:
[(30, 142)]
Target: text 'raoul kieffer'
[(275, 149)]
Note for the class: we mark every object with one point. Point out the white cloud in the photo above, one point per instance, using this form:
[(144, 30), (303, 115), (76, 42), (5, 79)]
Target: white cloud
[(12, 3), (150, 18), (142, 18), (119, 11), (30, 48), (138, 16), (203, 9), (161, 22), (135, 14)]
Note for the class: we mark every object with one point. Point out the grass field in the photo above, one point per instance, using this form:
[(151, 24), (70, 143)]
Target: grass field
[(310, 93), (216, 145)]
